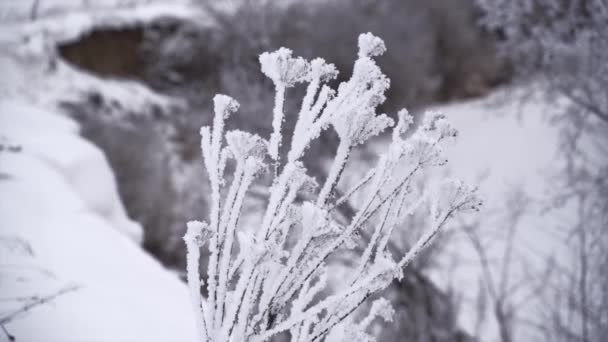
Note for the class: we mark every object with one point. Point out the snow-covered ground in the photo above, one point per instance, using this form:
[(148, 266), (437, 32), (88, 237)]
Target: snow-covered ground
[(59, 197), (62, 224)]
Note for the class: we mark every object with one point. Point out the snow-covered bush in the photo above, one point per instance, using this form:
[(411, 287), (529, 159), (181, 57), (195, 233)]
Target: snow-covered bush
[(273, 278)]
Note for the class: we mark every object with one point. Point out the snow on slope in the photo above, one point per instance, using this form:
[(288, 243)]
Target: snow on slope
[(60, 198), (505, 145), (61, 219)]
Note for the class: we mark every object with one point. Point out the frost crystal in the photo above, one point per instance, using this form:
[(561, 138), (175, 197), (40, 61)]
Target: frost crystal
[(243, 145), (271, 278), (319, 70), (370, 45), (283, 69), (224, 105)]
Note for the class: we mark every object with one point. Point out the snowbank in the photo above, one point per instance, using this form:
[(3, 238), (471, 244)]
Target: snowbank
[(60, 199)]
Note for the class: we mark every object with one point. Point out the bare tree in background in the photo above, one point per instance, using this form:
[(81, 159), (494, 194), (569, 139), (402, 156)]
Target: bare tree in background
[(565, 44), (507, 282)]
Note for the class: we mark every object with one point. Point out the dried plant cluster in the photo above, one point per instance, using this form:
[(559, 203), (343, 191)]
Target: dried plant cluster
[(273, 278)]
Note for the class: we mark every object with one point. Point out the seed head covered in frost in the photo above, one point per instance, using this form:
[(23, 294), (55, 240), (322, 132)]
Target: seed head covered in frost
[(451, 194), (272, 277), (225, 105), (300, 180), (437, 122), (404, 121), (243, 145), (356, 120), (370, 45), (198, 232), (283, 69), (322, 71)]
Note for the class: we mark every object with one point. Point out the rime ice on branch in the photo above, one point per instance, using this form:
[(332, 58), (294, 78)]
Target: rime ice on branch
[(271, 279)]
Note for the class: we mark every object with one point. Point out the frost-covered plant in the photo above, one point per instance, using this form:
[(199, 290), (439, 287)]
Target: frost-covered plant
[(273, 278)]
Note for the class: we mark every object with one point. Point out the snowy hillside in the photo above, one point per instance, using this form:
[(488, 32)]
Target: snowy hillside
[(72, 266), (508, 147), (60, 199)]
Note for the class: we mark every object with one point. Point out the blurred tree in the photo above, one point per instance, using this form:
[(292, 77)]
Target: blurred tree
[(564, 46)]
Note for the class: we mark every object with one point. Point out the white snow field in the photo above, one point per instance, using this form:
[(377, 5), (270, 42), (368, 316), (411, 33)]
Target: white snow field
[(59, 196), (62, 224)]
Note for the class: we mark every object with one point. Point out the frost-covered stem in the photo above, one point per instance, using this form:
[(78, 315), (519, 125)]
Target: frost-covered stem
[(230, 199), (392, 194), (304, 118), (194, 281), (292, 261), (367, 254), (281, 279), (318, 261), (401, 200), (211, 144), (361, 217), (354, 189), (282, 211), (225, 244), (212, 282), (424, 241), (277, 194), (317, 308), (298, 303), (308, 132), (277, 122), (235, 303), (236, 207), (418, 247), (8, 317), (214, 181), (287, 270), (245, 308), (335, 172), (236, 265), (340, 318), (306, 295)]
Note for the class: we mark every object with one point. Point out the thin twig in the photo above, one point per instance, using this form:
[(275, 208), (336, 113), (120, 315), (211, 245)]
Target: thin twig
[(7, 318)]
